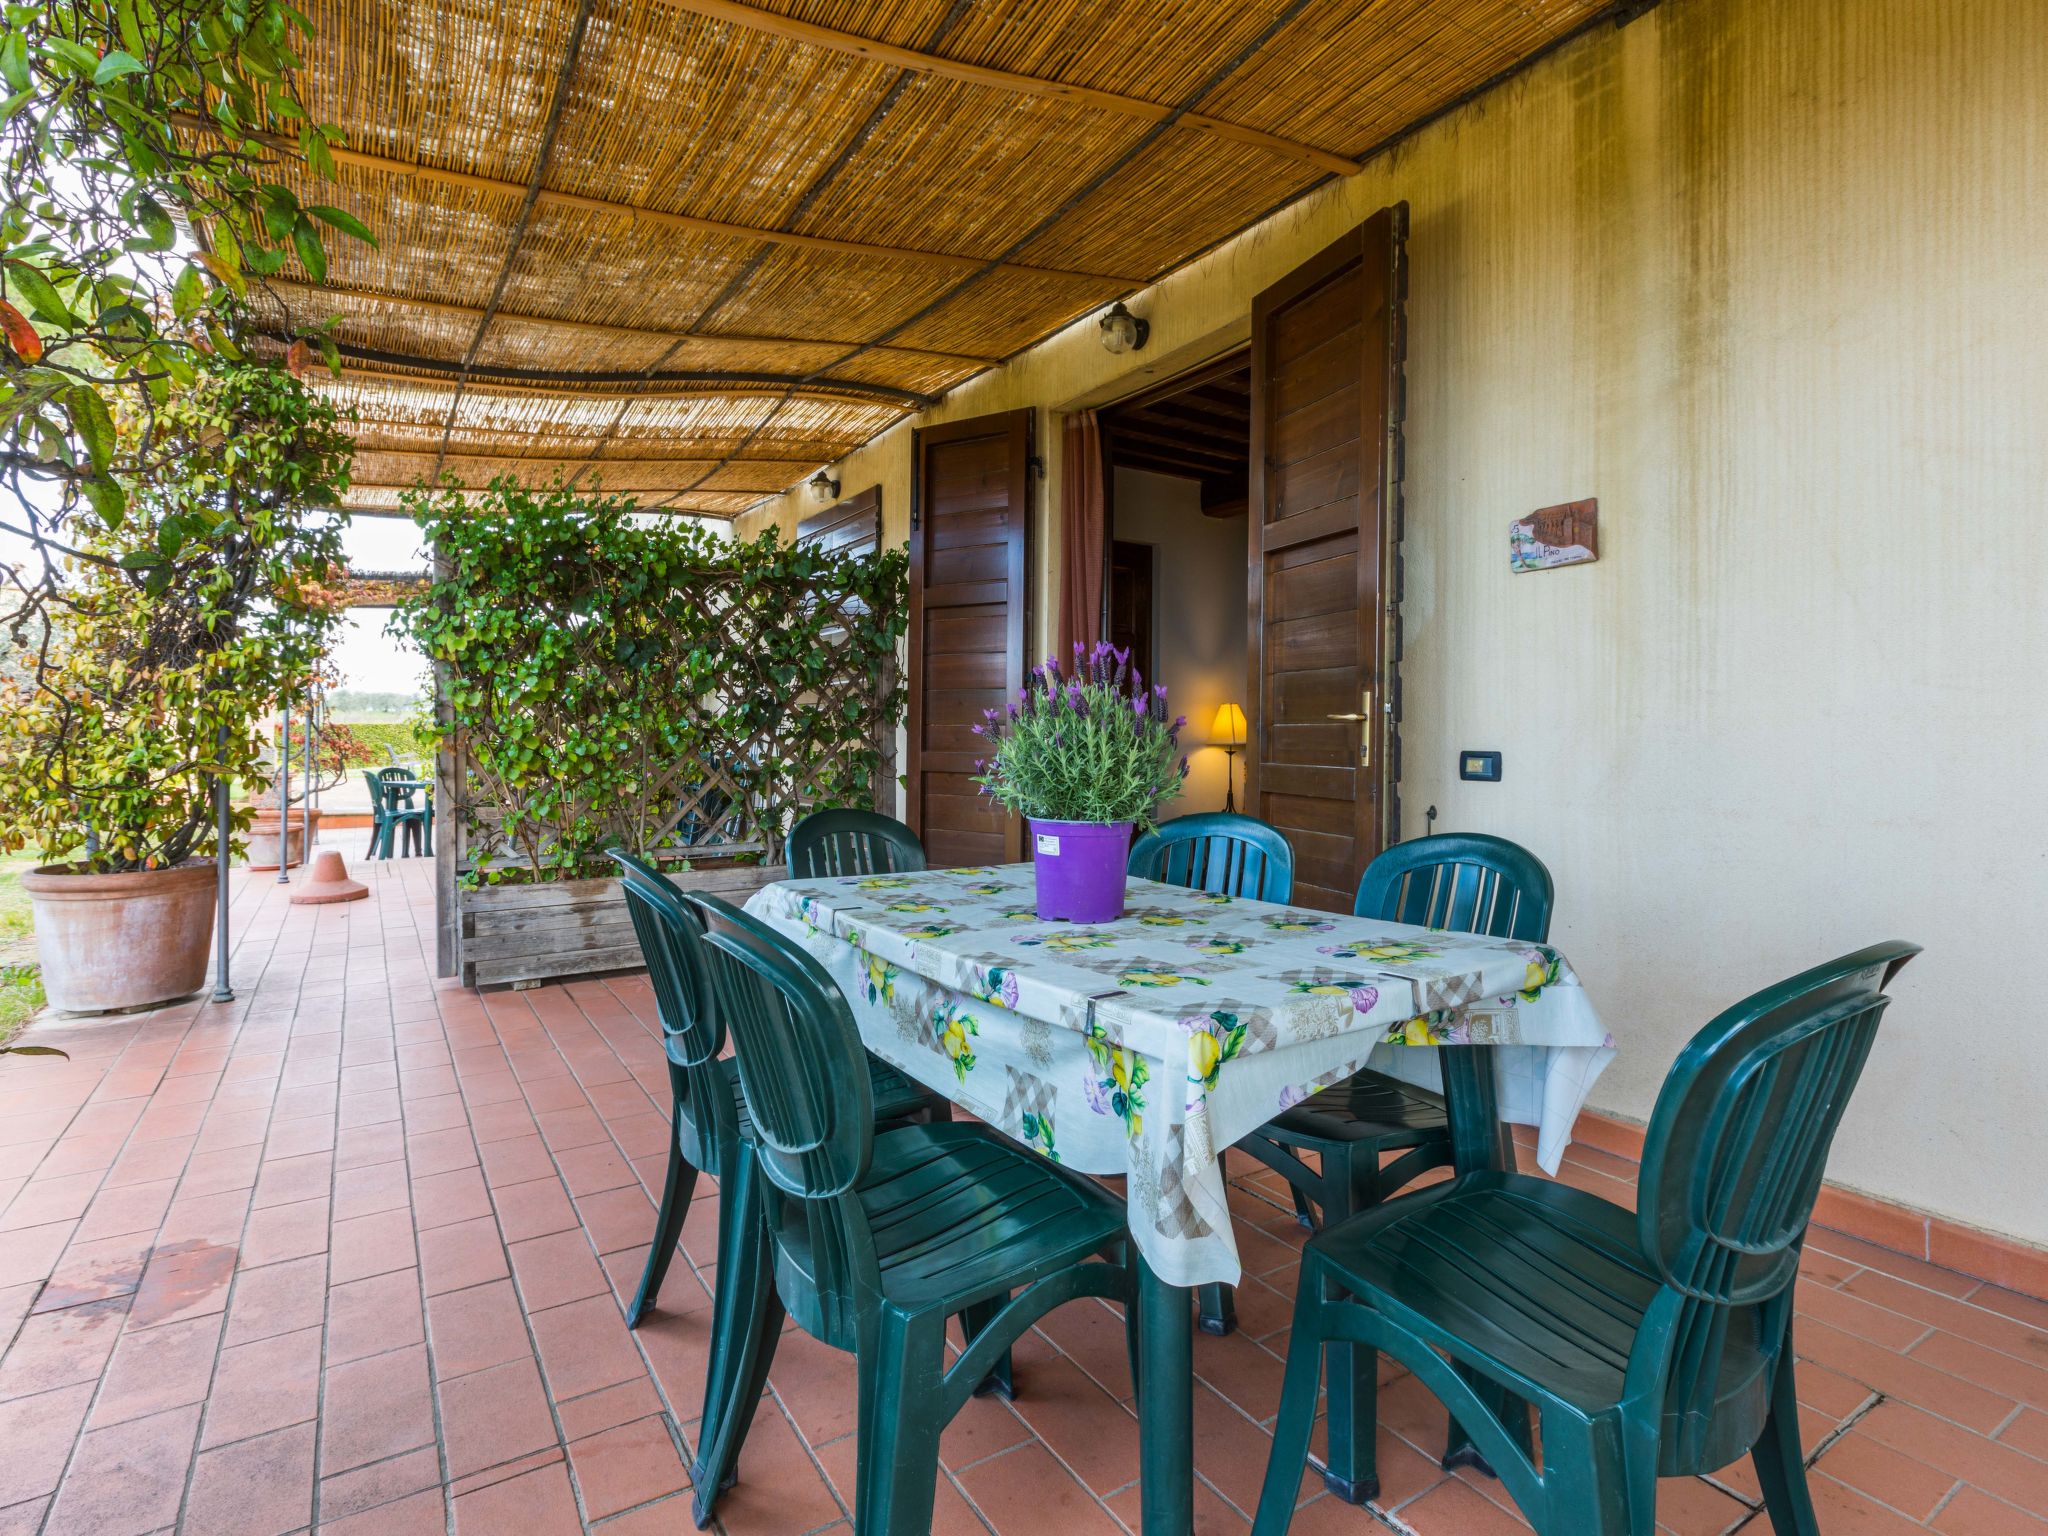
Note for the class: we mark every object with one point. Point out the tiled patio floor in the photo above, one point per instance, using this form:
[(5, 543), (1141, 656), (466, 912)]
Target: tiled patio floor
[(347, 1254)]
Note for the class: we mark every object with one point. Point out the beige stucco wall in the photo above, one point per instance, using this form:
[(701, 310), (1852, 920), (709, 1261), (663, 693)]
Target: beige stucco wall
[(1771, 281)]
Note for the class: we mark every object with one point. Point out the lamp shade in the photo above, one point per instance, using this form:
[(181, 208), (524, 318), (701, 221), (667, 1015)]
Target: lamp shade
[(1229, 729)]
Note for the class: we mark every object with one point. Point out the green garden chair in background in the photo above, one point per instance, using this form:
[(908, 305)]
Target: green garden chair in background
[(828, 843), (1465, 882), (1218, 852), (1653, 1343), (706, 1112), (874, 1239)]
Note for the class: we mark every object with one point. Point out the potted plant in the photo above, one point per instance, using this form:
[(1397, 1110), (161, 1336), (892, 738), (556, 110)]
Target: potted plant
[(179, 629), (1086, 757)]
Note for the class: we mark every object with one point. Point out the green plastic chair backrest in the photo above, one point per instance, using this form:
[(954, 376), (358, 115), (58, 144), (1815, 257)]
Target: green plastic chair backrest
[(846, 842), (1732, 1165), (1218, 852), (1466, 882), (802, 1066), (375, 786), (671, 938)]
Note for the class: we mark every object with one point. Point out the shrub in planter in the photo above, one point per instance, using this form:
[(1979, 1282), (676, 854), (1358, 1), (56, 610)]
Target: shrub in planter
[(181, 626), (614, 680)]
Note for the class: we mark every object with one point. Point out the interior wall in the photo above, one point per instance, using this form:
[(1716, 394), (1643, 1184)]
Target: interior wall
[(1767, 280), (1198, 614)]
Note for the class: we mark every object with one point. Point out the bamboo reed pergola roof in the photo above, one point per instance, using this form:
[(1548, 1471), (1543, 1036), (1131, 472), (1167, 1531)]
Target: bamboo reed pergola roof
[(694, 249)]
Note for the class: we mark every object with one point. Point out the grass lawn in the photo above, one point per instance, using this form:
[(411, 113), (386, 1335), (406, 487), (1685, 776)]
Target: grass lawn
[(21, 987)]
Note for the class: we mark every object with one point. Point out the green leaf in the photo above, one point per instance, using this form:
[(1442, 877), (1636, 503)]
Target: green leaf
[(140, 559), (114, 66), (81, 59), (91, 420), (312, 256), (41, 294), (108, 500), (15, 103), (14, 62), (155, 222), (33, 1050), (188, 292), (344, 221)]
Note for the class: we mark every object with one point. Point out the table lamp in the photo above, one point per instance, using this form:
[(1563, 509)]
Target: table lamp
[(1229, 735)]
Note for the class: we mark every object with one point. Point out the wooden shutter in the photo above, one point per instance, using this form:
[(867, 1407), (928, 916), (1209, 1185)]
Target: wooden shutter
[(970, 519), (1324, 581)]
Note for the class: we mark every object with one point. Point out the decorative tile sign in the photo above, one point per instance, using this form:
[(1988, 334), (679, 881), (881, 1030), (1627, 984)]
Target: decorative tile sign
[(1554, 536)]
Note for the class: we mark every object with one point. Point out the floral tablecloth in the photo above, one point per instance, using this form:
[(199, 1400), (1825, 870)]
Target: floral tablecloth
[(1144, 1046)]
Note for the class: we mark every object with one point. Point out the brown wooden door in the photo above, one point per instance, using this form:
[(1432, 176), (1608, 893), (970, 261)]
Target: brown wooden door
[(970, 521), (1324, 580)]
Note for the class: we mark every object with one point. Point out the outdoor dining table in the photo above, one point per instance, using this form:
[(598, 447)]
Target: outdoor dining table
[(1146, 1046)]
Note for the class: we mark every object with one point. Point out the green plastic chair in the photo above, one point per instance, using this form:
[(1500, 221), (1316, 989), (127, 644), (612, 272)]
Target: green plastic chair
[(874, 1240), (1465, 882), (828, 843), (378, 816), (397, 815), (1653, 1343), (1218, 852), (706, 1111)]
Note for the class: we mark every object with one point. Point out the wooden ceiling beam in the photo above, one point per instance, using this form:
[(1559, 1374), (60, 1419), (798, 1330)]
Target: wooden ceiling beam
[(790, 27), (615, 332), (686, 223), (675, 387)]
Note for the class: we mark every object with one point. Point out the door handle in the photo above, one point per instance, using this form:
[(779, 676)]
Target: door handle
[(1364, 721)]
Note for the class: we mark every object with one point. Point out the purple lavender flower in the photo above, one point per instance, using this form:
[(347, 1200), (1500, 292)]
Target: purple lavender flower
[(1183, 767), (1139, 708), (1077, 699)]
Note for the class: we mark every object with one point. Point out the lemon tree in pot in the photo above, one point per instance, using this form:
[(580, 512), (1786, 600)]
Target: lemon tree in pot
[(1086, 756), (149, 678)]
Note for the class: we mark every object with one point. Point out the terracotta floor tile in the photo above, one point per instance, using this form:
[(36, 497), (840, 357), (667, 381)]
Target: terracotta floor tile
[(618, 1218), (2027, 1432), (1842, 1509), (595, 1412), (1026, 1491), (440, 1151), (371, 1245), (538, 1504), (126, 1479), (440, 1199), (288, 1180), (281, 1232), (261, 1487), (627, 1465), (1973, 1513), (424, 1514), (370, 1189), (494, 1415), (279, 1298), (584, 1346), (1990, 1368), (38, 1433), (1089, 1430), (589, 1169), (1992, 1465), (462, 1254), (375, 1408), (367, 1317), (557, 1269), (157, 1369), (518, 1160), (536, 1208), (1912, 1380), (1686, 1506), (1453, 1509), (265, 1385), (474, 1329), (779, 1490), (1886, 1474), (58, 1349)]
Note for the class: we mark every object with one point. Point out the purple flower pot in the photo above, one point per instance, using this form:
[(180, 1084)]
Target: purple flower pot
[(1080, 866)]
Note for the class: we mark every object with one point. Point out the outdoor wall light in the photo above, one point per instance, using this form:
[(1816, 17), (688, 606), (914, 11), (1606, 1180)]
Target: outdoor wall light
[(1123, 331), (823, 487)]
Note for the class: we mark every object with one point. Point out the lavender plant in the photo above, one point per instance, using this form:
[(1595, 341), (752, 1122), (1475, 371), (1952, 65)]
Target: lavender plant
[(1091, 744)]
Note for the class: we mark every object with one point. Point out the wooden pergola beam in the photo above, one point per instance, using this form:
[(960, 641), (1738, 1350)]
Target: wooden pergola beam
[(701, 387), (660, 219), (591, 328), (777, 25)]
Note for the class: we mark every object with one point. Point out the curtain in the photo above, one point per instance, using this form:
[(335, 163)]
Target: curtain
[(1084, 495)]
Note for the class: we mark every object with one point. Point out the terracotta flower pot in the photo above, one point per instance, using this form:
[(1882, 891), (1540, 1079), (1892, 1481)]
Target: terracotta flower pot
[(263, 837), (122, 941)]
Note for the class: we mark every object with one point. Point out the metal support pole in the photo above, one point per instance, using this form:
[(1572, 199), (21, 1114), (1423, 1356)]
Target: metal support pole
[(312, 731), (284, 799), (223, 992)]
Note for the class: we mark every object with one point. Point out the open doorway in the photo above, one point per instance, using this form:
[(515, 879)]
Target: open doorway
[(1179, 457)]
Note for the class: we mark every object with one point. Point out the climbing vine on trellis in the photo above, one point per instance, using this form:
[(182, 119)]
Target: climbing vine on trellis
[(616, 679)]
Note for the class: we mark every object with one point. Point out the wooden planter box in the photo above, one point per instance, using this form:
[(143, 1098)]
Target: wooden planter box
[(513, 933)]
